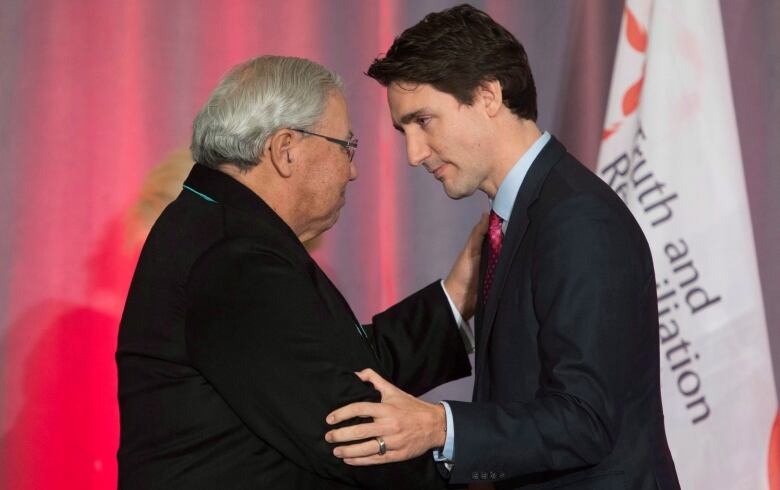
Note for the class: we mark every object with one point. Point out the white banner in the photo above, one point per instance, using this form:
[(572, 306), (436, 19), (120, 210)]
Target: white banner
[(670, 149)]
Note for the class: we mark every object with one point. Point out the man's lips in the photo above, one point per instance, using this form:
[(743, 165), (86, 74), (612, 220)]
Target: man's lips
[(439, 171)]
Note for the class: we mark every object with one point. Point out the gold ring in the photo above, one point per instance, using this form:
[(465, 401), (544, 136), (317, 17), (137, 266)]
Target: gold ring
[(382, 447)]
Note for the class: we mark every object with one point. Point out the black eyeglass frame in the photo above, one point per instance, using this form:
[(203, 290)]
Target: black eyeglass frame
[(350, 146)]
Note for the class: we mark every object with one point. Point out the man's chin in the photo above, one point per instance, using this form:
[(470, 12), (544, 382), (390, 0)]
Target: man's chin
[(455, 193), (324, 223)]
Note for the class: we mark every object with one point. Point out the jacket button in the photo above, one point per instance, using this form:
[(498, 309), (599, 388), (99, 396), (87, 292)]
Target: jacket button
[(475, 476)]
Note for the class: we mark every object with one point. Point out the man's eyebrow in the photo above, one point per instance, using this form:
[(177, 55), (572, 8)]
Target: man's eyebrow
[(407, 118)]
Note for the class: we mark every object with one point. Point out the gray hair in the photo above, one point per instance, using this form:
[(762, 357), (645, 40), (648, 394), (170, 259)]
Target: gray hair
[(254, 100)]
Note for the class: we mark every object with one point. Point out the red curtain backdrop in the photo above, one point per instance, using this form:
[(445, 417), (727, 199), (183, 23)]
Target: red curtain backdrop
[(95, 94)]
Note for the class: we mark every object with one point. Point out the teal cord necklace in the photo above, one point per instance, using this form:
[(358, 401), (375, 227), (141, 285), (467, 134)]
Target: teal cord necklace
[(204, 196)]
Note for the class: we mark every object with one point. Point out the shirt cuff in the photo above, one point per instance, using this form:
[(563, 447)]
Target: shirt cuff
[(463, 327), (444, 455)]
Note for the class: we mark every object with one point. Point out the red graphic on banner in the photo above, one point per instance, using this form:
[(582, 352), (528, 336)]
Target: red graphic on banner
[(610, 130), (774, 455), (631, 97), (636, 36)]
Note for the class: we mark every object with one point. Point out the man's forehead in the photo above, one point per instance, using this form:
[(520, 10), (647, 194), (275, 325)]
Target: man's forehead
[(337, 112), (407, 100), (407, 86), (400, 91), (337, 102), (405, 97)]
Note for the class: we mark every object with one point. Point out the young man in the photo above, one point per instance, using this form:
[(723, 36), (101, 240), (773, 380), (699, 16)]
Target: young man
[(567, 364)]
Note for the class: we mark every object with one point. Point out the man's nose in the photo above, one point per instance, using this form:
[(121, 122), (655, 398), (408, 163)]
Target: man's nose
[(416, 151)]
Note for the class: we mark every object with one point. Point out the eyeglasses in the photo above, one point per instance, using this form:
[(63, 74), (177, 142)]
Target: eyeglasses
[(349, 146)]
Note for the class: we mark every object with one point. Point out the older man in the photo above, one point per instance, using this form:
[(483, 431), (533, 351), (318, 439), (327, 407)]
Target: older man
[(234, 345)]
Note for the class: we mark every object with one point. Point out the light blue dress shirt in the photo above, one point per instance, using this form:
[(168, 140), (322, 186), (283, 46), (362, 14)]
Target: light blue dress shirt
[(502, 205), (464, 328)]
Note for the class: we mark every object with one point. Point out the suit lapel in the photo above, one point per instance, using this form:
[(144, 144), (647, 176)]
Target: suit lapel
[(341, 310), (516, 230)]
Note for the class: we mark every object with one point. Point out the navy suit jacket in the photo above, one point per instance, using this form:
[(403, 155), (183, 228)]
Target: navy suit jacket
[(567, 388)]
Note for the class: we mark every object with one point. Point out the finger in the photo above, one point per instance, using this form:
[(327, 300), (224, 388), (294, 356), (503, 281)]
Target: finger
[(389, 457), (354, 432), (357, 409), (360, 450), (365, 374), (380, 384), (370, 376), (368, 447)]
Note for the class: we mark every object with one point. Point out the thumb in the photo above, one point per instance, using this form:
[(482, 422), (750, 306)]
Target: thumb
[(478, 232), (476, 237), (482, 225)]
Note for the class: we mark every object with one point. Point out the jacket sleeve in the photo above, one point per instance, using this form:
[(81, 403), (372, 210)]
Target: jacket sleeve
[(588, 279), (418, 342), (258, 332)]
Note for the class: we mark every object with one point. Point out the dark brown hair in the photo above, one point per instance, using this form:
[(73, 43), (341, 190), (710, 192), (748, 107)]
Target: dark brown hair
[(454, 51)]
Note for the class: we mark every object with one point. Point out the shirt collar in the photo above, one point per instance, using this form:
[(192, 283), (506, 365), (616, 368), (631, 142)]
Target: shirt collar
[(507, 191)]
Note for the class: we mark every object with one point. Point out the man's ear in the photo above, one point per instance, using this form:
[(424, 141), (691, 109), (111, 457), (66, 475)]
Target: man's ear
[(279, 149), (490, 95)]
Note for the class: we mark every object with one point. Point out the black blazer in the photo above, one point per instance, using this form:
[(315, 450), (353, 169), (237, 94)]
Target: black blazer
[(567, 387), (234, 346)]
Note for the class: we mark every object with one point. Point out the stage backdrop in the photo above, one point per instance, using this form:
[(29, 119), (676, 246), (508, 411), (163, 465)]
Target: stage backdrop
[(97, 101)]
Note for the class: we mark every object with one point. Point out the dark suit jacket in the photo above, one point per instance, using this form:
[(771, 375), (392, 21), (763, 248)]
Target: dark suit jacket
[(567, 388), (234, 346)]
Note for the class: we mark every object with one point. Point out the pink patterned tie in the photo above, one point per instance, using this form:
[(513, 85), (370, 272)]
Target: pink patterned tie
[(495, 237)]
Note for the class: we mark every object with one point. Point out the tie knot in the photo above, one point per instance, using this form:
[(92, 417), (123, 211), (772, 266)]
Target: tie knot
[(495, 233)]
